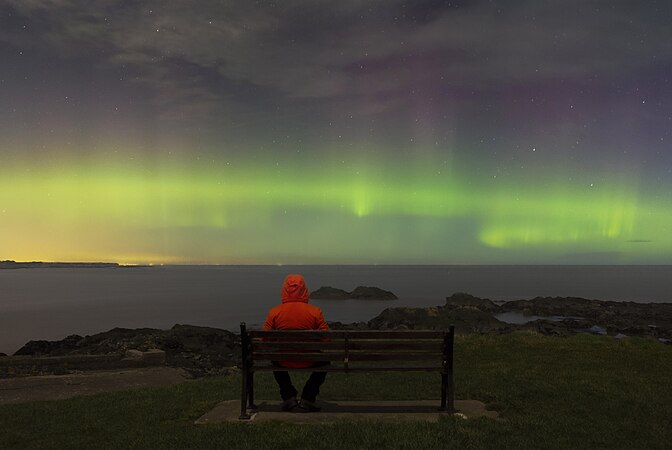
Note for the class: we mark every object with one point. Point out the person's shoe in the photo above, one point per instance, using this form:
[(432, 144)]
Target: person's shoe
[(290, 404), (309, 406)]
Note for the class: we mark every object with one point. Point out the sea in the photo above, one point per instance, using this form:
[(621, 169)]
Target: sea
[(52, 303)]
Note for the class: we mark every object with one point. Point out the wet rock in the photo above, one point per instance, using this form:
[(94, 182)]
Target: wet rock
[(597, 330), (465, 319), (559, 316), (468, 319), (460, 299), (553, 306), (51, 348), (202, 350), (633, 319)]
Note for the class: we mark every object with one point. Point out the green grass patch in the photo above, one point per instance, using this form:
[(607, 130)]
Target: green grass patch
[(582, 392)]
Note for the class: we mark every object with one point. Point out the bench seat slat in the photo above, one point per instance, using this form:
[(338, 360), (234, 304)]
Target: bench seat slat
[(351, 334), (394, 356), (340, 356), (353, 368), (434, 346)]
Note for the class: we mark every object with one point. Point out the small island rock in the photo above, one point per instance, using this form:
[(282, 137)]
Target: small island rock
[(330, 293), (360, 293), (372, 293)]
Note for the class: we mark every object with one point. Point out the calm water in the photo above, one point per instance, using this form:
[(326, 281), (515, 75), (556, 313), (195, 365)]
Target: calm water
[(53, 303)]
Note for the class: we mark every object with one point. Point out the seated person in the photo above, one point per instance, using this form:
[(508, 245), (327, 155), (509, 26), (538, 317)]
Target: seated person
[(294, 313)]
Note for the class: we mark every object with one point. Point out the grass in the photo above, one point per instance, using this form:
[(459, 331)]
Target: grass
[(582, 392)]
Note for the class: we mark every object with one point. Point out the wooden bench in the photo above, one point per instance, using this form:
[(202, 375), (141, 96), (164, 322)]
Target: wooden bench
[(347, 351)]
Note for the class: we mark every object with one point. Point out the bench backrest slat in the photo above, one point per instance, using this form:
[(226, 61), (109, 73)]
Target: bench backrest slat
[(416, 346), (351, 334), (295, 356), (346, 345)]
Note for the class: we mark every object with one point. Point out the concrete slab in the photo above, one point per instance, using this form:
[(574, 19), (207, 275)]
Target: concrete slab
[(332, 411)]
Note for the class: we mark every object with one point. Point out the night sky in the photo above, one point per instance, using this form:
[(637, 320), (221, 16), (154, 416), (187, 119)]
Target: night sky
[(343, 132)]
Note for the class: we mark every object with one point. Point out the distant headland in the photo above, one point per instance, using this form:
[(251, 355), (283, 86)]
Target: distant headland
[(9, 264)]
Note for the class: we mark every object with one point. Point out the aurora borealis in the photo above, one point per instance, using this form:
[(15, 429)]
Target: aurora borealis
[(352, 132)]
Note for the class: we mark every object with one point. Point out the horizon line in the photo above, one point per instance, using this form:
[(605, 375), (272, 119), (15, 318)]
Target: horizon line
[(187, 264)]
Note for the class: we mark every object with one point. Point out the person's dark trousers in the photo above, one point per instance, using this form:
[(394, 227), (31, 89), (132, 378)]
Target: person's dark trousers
[(287, 389), (310, 390)]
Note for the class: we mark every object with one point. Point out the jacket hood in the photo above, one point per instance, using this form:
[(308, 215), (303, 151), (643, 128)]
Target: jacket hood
[(294, 289)]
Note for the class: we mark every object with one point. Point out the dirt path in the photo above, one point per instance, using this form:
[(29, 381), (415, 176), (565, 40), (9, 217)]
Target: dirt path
[(58, 387)]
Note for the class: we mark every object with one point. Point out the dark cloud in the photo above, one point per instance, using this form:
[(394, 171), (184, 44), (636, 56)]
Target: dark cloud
[(302, 49), (220, 67)]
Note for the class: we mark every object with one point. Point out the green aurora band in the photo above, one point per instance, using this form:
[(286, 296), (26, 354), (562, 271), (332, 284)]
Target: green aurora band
[(220, 212)]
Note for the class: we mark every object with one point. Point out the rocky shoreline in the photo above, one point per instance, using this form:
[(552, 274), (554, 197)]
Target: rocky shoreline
[(199, 350), (206, 351), (555, 316)]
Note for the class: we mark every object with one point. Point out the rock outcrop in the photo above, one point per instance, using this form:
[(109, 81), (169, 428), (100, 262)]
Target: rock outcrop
[(467, 319), (330, 293), (559, 316), (461, 299), (200, 350), (629, 318)]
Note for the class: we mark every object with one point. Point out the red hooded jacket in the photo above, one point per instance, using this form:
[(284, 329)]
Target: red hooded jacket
[(294, 313)]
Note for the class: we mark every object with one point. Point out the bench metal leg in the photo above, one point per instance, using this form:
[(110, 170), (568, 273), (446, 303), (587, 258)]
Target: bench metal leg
[(450, 408), (246, 372), (447, 385), (250, 390), (243, 401), (447, 393), (444, 382)]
